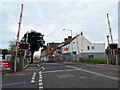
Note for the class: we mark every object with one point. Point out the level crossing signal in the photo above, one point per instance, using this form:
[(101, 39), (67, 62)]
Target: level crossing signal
[(23, 46), (113, 46)]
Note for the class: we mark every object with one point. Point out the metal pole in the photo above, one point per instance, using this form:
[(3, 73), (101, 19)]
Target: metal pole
[(16, 48), (108, 49), (71, 43), (71, 47), (77, 47)]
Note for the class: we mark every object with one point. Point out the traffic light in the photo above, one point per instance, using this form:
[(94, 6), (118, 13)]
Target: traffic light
[(113, 46)]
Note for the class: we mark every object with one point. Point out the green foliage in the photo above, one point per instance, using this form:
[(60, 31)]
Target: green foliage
[(20, 53), (36, 41), (117, 51), (5, 51), (96, 61)]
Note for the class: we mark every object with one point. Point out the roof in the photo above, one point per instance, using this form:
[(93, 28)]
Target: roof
[(69, 40)]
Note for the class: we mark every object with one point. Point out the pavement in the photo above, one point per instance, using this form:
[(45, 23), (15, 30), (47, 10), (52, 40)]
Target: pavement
[(63, 76)]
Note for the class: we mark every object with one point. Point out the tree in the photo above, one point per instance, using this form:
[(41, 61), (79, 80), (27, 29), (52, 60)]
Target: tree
[(36, 41), (4, 52)]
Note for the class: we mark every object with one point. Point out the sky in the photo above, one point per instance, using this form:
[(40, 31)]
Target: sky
[(50, 18)]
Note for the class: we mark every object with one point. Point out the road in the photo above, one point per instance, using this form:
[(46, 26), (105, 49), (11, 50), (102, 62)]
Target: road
[(59, 75)]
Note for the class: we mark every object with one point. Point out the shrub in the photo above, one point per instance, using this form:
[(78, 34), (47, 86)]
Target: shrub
[(96, 61)]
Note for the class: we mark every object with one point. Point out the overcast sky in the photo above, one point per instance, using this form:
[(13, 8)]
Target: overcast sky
[(50, 18)]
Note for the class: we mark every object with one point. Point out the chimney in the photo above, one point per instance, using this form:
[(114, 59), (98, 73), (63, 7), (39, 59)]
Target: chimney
[(81, 33), (69, 37), (65, 39)]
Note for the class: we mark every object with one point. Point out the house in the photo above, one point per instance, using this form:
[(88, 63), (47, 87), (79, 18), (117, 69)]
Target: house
[(80, 47), (51, 53)]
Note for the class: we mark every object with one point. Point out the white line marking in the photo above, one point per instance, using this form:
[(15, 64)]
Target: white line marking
[(110, 77), (40, 77), (14, 83), (41, 87), (59, 71), (40, 80), (25, 66), (33, 78), (40, 72), (32, 81), (38, 65), (40, 84)]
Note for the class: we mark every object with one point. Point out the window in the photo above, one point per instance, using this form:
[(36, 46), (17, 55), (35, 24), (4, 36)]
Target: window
[(88, 47), (93, 47), (73, 42)]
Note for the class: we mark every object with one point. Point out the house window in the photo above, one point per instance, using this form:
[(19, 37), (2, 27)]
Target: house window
[(88, 47), (73, 42), (91, 56), (93, 47)]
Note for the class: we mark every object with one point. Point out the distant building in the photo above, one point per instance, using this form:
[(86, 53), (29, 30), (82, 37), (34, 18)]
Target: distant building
[(73, 49), (51, 53), (80, 47)]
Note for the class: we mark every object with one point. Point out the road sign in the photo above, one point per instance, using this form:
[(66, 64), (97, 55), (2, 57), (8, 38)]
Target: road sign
[(4, 65)]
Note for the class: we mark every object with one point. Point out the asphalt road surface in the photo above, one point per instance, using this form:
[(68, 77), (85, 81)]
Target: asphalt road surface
[(64, 76)]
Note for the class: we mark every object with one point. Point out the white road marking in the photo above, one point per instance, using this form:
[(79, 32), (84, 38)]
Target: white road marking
[(82, 77), (40, 84), (25, 66), (110, 77), (40, 81), (32, 81), (14, 83), (40, 73), (59, 71), (33, 78), (41, 87), (38, 65), (40, 77)]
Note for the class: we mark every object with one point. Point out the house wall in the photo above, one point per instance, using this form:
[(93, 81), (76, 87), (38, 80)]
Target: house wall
[(95, 49)]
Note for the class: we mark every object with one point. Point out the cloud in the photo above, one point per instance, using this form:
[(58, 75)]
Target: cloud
[(50, 18)]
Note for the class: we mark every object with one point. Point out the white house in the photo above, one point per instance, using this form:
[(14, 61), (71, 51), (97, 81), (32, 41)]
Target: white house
[(79, 46)]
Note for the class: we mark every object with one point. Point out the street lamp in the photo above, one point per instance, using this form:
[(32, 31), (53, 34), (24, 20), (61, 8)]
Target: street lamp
[(71, 43), (68, 30)]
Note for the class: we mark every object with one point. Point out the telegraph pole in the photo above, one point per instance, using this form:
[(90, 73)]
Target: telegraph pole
[(16, 48)]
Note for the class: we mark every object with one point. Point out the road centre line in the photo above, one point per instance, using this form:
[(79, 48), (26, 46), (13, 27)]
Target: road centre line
[(40, 81), (59, 71), (33, 78), (110, 77)]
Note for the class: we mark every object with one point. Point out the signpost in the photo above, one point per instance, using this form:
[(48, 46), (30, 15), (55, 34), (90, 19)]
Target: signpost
[(4, 65)]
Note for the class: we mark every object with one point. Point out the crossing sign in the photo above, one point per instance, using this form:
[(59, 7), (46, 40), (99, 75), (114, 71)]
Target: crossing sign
[(23, 46)]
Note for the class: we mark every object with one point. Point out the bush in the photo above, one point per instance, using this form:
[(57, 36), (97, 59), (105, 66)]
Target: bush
[(96, 61)]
